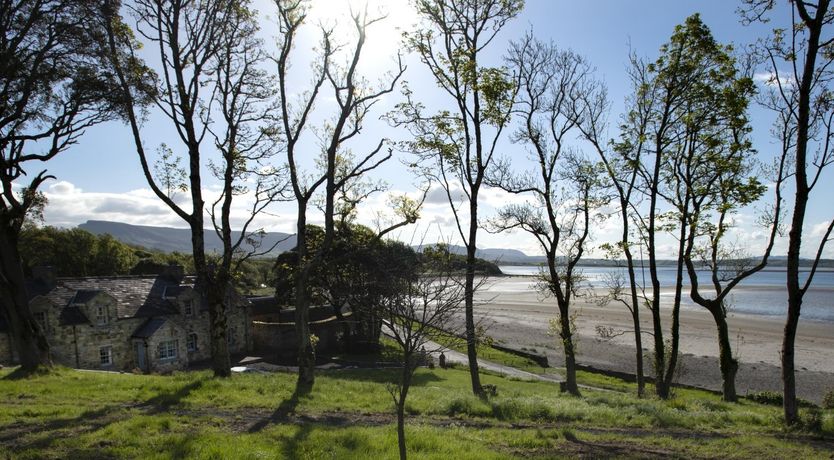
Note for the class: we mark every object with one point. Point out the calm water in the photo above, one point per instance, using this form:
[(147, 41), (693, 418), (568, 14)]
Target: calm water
[(761, 294)]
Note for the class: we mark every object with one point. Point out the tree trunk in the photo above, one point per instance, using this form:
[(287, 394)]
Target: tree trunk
[(661, 389), (408, 371), (306, 353), (570, 353), (401, 428), (728, 364), (216, 297), (25, 333), (676, 306), (790, 406), (635, 311), (469, 292)]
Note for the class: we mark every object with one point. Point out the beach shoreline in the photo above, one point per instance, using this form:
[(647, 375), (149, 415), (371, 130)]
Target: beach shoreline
[(520, 318)]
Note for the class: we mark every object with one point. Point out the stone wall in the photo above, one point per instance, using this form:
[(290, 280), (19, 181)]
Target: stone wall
[(168, 332), (278, 340)]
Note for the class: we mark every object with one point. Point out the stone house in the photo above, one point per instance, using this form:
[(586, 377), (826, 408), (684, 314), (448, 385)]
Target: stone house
[(123, 323)]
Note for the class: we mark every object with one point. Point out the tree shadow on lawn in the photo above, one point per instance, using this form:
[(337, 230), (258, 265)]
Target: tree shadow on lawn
[(286, 408), (167, 399), (384, 376), (88, 421), (21, 374)]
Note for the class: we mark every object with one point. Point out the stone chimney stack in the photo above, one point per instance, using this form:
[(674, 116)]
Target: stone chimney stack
[(45, 276), (173, 272)]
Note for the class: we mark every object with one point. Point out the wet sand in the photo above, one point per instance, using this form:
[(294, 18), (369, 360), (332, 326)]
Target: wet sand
[(515, 314)]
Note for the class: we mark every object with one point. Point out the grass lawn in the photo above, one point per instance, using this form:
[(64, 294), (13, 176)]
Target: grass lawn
[(79, 414)]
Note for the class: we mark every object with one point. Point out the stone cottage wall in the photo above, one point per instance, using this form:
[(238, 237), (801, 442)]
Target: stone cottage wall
[(169, 331)]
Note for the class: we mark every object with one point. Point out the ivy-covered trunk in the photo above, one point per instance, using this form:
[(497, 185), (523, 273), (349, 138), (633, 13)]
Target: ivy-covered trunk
[(728, 364), (217, 298)]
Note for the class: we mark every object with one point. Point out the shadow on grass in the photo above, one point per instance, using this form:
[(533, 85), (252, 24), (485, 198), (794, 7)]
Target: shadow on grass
[(21, 373), (49, 432), (286, 408), (89, 421), (390, 375), (165, 400)]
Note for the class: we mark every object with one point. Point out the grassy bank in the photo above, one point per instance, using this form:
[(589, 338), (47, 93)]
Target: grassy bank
[(68, 413)]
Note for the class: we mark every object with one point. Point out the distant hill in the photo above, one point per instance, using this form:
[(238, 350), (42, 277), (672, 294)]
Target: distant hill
[(176, 239), (499, 256)]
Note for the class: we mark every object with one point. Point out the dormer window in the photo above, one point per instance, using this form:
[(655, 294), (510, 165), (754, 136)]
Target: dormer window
[(101, 315), (189, 307), (40, 318)]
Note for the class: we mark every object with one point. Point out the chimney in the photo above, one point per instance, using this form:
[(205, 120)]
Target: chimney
[(45, 276), (173, 272)]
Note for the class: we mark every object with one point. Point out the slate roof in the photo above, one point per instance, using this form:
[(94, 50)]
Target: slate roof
[(136, 296), (72, 315), (85, 295), (148, 328)]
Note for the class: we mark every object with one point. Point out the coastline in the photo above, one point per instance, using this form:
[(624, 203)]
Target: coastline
[(520, 318)]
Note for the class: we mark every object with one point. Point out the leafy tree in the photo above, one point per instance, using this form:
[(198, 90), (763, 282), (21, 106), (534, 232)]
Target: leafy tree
[(682, 106), (456, 147), (360, 272), (803, 101), (76, 252), (52, 87), (713, 178)]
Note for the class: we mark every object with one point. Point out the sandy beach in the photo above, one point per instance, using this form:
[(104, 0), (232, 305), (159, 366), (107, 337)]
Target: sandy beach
[(515, 314)]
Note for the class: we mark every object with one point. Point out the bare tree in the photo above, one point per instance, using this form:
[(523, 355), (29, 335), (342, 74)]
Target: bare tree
[(798, 59), (420, 306), (211, 84), (455, 148), (563, 186), (51, 89), (355, 99), (590, 113)]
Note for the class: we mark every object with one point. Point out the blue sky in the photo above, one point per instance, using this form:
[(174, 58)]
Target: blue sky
[(100, 177)]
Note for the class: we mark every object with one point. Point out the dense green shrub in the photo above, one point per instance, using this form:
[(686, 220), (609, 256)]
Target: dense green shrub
[(828, 400)]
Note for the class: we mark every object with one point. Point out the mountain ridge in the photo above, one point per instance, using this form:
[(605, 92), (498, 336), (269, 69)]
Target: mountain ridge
[(171, 239)]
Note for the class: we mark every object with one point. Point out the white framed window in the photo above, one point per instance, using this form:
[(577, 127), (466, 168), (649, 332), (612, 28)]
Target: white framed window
[(189, 307), (40, 317), (105, 356), (191, 343), (167, 349), (231, 340), (101, 314)]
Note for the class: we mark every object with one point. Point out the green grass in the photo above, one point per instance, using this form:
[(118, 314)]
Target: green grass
[(488, 353), (67, 413)]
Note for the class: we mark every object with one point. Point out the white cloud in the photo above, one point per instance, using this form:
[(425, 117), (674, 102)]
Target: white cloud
[(69, 206), (818, 230), (771, 79)]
